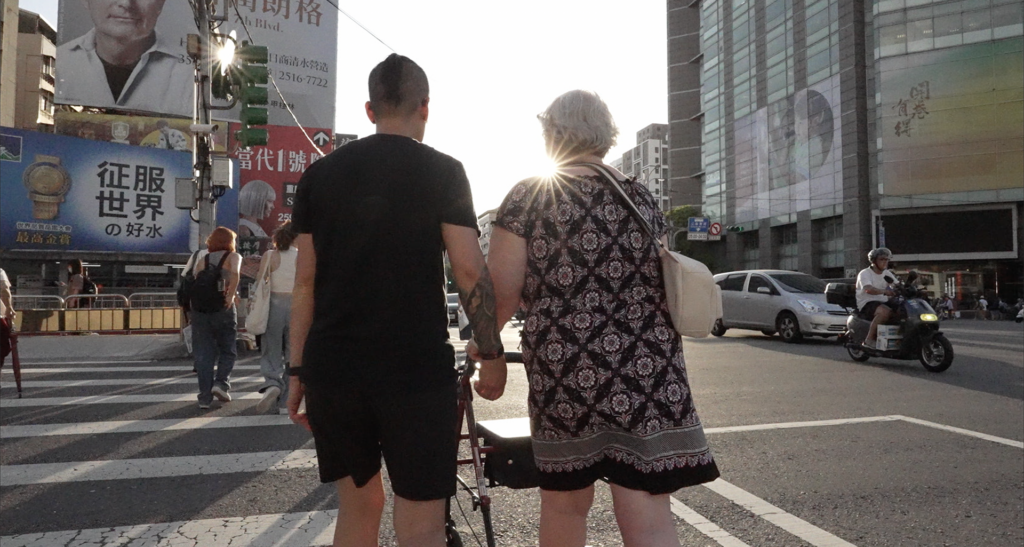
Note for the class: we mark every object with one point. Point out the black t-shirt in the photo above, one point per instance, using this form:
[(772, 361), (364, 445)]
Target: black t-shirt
[(117, 76), (374, 208)]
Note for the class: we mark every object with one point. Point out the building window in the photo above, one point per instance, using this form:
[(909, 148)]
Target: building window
[(829, 244), (787, 252), (751, 251)]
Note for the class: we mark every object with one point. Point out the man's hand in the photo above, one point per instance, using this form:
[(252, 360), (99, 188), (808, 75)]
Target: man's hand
[(295, 393), (493, 374)]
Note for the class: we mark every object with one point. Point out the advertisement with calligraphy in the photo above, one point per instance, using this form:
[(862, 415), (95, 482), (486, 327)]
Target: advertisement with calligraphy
[(149, 131), (160, 80), (63, 193), (952, 120), (268, 177)]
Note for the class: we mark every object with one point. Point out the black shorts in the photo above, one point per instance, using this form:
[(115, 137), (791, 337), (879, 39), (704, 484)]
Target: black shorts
[(353, 427), (868, 311)]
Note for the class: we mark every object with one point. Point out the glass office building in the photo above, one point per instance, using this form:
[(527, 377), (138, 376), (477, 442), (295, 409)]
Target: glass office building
[(826, 127)]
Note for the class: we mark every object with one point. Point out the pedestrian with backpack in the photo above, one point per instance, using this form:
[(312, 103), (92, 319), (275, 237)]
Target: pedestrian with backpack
[(213, 316), (79, 283)]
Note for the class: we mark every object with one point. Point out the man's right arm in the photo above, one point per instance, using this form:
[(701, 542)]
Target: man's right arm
[(477, 295)]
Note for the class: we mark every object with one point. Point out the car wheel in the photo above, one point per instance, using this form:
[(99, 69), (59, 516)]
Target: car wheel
[(719, 329), (788, 327)]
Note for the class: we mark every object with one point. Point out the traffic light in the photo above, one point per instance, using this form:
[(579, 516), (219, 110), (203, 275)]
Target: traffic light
[(734, 228), (250, 69)]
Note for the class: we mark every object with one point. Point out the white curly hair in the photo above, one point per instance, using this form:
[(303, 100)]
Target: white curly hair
[(578, 122)]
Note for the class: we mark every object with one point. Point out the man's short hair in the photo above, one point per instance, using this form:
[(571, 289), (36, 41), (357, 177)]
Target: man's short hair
[(398, 86)]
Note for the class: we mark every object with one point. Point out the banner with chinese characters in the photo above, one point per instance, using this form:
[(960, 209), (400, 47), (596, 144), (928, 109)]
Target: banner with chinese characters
[(68, 194), (300, 35), (268, 176), (149, 131)]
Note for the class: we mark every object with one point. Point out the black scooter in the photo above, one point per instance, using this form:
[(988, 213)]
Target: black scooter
[(918, 336)]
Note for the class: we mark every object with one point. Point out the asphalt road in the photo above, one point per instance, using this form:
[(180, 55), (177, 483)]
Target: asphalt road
[(814, 449)]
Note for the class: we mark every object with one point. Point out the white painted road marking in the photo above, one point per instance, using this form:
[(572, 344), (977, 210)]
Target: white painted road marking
[(315, 528), (113, 399), (190, 380), (792, 425), (147, 468), (139, 426), (790, 523), (969, 433), (154, 368), (705, 526)]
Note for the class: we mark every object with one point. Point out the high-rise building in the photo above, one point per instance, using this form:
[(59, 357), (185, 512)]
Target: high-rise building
[(36, 53), (8, 60), (648, 161), (828, 127)]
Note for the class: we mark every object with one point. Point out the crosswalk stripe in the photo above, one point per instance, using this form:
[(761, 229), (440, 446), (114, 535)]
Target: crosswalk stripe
[(154, 368), (790, 523), (112, 399), (148, 468), (314, 528), (705, 526), (191, 380), (139, 426)]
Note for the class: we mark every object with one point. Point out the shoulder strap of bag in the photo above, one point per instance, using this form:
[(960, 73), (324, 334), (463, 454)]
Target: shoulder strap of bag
[(601, 170), (267, 272)]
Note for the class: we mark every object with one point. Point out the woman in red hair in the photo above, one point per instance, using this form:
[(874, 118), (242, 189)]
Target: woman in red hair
[(214, 322)]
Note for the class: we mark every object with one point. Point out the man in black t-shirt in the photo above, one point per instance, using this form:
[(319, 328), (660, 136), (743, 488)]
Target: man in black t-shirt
[(369, 324)]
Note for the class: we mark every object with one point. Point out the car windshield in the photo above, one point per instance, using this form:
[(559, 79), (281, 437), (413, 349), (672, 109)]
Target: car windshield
[(802, 283)]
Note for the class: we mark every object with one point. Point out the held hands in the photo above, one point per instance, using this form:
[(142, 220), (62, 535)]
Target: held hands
[(492, 376)]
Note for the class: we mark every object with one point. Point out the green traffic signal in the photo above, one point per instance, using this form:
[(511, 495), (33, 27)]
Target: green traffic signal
[(734, 228), (253, 115), (253, 95), (251, 136), (249, 53)]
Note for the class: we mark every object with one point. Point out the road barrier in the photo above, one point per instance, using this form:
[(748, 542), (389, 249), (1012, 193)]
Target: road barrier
[(100, 313)]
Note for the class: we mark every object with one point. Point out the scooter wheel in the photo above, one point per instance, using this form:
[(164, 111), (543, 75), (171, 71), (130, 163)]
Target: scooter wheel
[(937, 354), (857, 353)]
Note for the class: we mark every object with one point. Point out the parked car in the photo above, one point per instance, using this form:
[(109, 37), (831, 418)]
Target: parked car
[(790, 303), (453, 308)]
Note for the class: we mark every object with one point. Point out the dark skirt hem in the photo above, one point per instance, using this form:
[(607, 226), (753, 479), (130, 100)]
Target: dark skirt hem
[(627, 476)]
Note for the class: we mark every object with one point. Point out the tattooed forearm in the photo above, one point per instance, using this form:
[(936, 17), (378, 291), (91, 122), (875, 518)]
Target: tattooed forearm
[(482, 311)]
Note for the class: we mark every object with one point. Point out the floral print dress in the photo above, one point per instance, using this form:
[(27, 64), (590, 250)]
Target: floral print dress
[(607, 378)]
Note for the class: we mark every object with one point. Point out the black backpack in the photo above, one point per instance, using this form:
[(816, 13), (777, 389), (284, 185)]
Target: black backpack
[(207, 295), (185, 287)]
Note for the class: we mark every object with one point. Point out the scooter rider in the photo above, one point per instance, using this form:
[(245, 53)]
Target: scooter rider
[(873, 293)]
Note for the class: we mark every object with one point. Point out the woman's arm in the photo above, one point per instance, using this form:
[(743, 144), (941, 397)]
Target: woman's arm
[(506, 261)]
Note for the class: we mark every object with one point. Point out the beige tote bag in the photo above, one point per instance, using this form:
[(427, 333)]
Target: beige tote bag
[(694, 300)]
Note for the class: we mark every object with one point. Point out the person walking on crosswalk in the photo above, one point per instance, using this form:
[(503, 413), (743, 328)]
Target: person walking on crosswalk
[(280, 263), (369, 328), (213, 316)]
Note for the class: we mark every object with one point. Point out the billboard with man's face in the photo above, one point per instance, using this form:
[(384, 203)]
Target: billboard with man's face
[(132, 56)]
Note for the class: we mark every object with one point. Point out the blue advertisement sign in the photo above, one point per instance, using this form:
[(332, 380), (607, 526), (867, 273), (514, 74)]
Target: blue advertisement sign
[(68, 194), (699, 224)]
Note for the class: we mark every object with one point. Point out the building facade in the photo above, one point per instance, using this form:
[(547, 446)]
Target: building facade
[(37, 52), (829, 127), (8, 60), (648, 161)]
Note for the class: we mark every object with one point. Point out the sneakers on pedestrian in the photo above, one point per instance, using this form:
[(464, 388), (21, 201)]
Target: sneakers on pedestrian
[(269, 399), (219, 393), (203, 405)]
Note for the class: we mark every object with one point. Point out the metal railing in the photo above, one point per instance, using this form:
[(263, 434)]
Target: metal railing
[(115, 313), (153, 300)]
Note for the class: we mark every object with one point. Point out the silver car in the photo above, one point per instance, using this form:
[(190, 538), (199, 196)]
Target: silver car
[(790, 303)]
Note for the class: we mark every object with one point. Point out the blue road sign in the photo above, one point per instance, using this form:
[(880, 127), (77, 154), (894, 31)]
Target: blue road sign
[(699, 224)]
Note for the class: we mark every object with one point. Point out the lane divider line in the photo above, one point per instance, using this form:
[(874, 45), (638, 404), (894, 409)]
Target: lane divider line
[(90, 370), (114, 399), (705, 526), (123, 382), (790, 523), (968, 432)]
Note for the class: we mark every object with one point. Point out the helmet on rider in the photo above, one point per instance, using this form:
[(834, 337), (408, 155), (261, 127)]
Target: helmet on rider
[(880, 252)]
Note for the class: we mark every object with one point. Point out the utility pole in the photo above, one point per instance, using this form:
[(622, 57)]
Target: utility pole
[(201, 129)]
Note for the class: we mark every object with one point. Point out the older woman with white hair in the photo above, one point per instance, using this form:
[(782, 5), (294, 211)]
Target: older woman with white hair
[(609, 396), (255, 202)]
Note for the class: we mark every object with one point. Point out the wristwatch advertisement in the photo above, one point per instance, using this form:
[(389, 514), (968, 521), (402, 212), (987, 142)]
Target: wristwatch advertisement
[(47, 183)]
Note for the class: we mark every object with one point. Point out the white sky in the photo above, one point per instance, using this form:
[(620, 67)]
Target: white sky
[(493, 66)]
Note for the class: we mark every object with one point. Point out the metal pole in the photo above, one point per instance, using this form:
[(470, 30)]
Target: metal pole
[(201, 150)]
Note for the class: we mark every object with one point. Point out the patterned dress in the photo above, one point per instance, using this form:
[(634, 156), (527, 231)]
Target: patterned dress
[(608, 389)]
